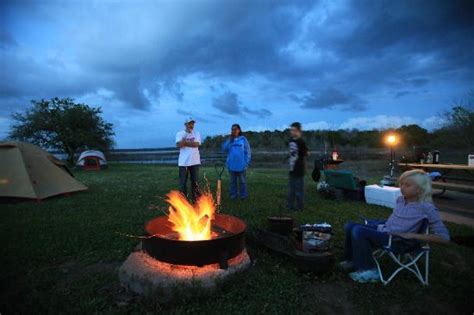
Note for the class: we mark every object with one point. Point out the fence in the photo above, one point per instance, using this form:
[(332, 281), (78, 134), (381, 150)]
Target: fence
[(157, 156), (259, 157)]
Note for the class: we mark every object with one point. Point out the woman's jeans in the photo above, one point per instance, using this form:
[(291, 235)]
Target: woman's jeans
[(238, 185), (361, 241), (193, 171)]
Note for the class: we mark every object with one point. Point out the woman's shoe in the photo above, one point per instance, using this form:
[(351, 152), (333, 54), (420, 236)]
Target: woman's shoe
[(346, 265), (365, 276)]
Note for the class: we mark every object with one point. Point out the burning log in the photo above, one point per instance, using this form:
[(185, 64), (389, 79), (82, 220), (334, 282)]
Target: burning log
[(191, 222)]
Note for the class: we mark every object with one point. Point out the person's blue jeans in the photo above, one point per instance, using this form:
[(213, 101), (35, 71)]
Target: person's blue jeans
[(296, 192), (361, 241), (238, 185), (193, 172)]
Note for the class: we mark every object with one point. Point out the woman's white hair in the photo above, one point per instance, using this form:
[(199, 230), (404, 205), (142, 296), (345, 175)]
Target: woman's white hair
[(422, 180)]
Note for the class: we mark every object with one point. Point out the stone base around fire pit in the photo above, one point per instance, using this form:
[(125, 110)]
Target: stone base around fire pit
[(145, 275)]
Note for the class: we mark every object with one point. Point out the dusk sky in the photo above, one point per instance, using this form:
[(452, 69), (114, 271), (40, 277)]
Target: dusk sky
[(263, 64)]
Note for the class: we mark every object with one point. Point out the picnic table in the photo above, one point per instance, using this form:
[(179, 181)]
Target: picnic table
[(446, 182)]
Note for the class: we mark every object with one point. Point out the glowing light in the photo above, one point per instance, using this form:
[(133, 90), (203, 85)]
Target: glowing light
[(183, 272), (391, 139), (191, 222)]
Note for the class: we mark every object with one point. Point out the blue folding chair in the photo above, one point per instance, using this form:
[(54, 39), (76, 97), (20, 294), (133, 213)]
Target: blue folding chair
[(406, 253)]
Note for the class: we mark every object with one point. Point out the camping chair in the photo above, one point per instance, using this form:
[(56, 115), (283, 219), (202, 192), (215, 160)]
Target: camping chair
[(406, 253)]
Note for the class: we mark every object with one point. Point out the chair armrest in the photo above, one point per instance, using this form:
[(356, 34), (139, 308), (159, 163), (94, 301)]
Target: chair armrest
[(401, 245)]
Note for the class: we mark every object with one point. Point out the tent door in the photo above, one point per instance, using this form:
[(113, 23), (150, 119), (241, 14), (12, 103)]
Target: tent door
[(91, 163)]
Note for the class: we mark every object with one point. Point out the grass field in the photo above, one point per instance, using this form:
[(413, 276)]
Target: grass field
[(61, 255)]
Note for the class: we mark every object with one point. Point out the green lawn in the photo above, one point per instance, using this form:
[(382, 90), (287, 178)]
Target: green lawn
[(61, 255)]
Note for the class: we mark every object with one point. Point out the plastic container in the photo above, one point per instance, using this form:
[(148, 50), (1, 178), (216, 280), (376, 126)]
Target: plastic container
[(383, 196)]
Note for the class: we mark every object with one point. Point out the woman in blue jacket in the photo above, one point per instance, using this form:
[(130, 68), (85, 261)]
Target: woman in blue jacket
[(238, 159)]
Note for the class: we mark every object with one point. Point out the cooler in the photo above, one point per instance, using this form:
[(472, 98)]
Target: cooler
[(383, 196)]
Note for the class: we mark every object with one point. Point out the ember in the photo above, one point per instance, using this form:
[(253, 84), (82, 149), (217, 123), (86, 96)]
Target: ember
[(143, 274), (193, 272)]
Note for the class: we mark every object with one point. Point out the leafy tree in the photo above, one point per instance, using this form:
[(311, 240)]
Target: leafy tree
[(63, 125), (460, 121), (414, 135), (457, 133)]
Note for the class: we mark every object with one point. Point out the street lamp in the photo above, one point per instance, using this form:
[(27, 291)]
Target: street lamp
[(391, 140)]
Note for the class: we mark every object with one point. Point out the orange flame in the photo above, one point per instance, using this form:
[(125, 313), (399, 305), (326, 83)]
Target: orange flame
[(191, 222)]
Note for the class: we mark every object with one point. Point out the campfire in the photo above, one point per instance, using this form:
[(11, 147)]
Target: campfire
[(191, 243), (194, 234), (191, 222)]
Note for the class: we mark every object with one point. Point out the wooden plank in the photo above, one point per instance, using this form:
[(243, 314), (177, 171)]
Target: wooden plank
[(453, 186), (438, 166)]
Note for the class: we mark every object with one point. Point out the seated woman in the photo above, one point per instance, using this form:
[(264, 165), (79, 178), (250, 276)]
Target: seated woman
[(412, 207)]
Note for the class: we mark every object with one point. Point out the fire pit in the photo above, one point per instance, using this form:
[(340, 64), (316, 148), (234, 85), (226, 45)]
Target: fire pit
[(190, 247), (227, 241)]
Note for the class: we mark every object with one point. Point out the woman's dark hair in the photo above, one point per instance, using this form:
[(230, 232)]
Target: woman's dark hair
[(237, 126), (296, 125)]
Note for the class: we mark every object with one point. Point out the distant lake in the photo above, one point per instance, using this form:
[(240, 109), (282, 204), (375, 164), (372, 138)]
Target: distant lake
[(149, 156)]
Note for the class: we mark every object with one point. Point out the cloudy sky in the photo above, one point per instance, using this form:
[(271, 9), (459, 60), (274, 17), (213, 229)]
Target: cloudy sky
[(263, 64)]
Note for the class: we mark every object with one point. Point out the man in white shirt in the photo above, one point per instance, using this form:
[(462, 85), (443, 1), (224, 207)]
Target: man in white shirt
[(188, 142)]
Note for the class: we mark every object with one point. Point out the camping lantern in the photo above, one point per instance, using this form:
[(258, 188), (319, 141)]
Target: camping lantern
[(335, 155)]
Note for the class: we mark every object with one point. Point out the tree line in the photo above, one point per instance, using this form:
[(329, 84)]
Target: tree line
[(62, 124), (457, 132)]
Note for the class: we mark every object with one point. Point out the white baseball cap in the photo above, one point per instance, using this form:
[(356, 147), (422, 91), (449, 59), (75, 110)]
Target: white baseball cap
[(188, 120)]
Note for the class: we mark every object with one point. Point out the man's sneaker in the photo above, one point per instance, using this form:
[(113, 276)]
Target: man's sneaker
[(346, 265), (365, 276)]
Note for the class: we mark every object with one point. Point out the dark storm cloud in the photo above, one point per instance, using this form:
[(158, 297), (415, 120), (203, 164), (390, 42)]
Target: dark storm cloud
[(390, 43), (142, 51), (261, 113), (407, 26), (187, 113), (218, 40), (230, 104), (332, 98)]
